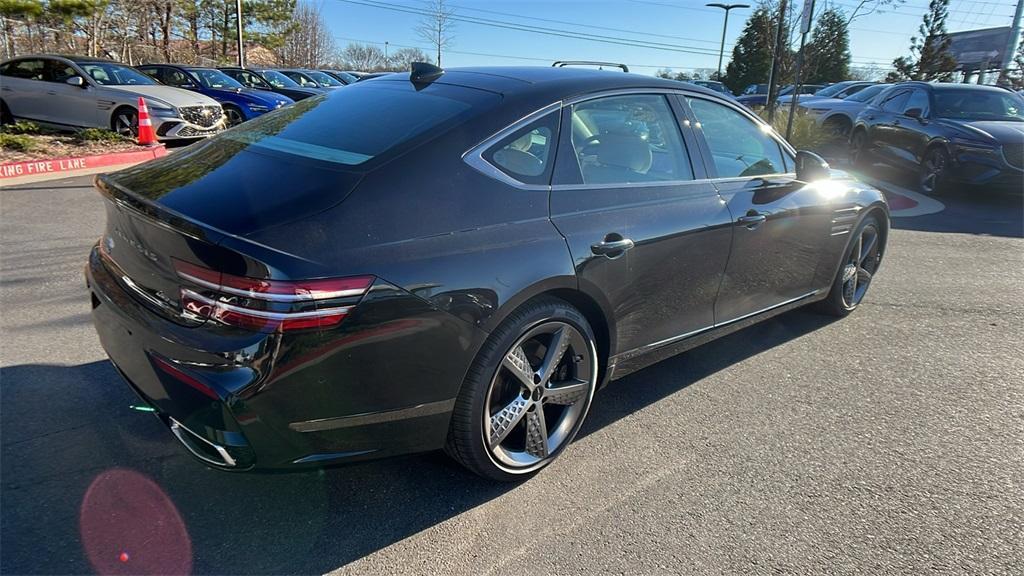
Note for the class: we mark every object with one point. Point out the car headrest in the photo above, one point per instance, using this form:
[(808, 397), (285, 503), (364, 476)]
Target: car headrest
[(625, 151), (519, 162)]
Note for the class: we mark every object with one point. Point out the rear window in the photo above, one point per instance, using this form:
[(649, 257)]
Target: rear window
[(357, 124)]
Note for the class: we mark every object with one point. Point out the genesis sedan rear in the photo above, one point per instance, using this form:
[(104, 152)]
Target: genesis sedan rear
[(458, 259)]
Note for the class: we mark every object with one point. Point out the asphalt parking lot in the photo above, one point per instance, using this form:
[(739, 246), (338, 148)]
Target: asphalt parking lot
[(890, 442)]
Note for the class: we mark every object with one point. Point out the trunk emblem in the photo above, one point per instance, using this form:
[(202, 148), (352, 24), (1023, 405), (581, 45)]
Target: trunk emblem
[(149, 255)]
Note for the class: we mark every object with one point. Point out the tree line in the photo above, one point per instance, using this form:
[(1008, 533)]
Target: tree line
[(203, 32)]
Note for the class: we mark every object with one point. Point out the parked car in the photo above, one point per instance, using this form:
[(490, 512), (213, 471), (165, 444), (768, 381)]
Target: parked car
[(946, 133), (372, 75), (259, 79), (81, 92), (435, 275), (839, 90), (355, 73), (837, 116), (240, 103), (754, 89), (343, 77), (757, 101), (311, 78)]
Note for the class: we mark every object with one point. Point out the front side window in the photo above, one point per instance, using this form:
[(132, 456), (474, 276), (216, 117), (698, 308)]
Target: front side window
[(57, 71), (214, 79), (739, 146), (278, 80), (302, 80), (325, 79), (894, 102), (919, 100), (628, 139), (526, 155)]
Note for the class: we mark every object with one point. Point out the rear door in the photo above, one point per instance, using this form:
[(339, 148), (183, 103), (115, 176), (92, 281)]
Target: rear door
[(23, 88), (644, 226), (778, 224)]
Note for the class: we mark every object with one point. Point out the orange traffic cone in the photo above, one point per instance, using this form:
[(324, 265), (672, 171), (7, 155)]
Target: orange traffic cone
[(147, 136)]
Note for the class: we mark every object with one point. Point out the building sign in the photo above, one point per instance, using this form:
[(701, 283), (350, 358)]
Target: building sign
[(979, 49)]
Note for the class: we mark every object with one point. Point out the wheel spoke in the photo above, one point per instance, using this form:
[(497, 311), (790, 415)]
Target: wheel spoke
[(556, 350), (567, 394), (866, 249), (857, 250), (506, 419), (536, 433), (863, 276), (519, 366)]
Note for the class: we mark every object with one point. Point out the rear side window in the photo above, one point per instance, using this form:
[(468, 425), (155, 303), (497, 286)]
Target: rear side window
[(361, 122), (27, 69), (628, 139), (527, 154), (739, 146)]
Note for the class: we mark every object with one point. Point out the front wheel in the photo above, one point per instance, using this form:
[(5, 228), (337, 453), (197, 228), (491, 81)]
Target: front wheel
[(933, 171), (125, 122), (527, 393), (234, 115), (858, 148), (861, 261)]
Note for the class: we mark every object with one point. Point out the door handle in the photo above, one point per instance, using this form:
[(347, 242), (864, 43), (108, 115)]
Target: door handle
[(612, 248), (751, 221)]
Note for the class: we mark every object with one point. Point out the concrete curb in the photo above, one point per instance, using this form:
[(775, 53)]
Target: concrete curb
[(31, 171)]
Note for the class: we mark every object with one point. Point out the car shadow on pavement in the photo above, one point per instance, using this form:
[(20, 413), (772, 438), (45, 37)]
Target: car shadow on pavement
[(67, 431)]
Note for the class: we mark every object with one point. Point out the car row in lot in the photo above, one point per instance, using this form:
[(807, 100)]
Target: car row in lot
[(946, 134), (184, 101)]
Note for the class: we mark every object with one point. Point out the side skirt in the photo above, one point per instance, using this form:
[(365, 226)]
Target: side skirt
[(633, 360)]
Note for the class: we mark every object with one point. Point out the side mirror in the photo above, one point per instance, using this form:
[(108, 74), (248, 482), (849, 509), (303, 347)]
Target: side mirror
[(76, 81), (189, 86), (810, 167), (915, 113)]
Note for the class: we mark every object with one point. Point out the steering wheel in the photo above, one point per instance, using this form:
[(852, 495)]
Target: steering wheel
[(589, 142)]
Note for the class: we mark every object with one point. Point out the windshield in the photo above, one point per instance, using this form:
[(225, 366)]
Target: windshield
[(214, 79), (833, 89), (345, 76), (278, 80), (377, 117), (109, 74), (324, 79), (966, 104), (867, 93)]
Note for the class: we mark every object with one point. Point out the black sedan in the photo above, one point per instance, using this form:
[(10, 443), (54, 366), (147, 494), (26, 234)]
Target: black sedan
[(463, 266), (272, 80), (946, 133)]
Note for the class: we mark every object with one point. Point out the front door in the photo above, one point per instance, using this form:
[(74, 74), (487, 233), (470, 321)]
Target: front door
[(66, 103), (643, 225), (777, 222)]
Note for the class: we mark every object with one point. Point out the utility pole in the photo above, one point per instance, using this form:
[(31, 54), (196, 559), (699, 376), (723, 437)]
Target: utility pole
[(238, 21), (777, 51), (1011, 43), (725, 26), (387, 64)]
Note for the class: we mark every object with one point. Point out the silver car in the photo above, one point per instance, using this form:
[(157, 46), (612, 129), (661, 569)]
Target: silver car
[(837, 116), (72, 91)]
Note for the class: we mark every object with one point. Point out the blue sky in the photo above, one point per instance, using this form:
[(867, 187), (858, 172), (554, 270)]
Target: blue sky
[(692, 30)]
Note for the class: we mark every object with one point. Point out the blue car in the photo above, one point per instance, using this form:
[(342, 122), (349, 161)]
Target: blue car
[(239, 103)]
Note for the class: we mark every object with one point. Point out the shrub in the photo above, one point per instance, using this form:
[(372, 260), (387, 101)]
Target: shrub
[(16, 142), (99, 135), (806, 133), (23, 127)]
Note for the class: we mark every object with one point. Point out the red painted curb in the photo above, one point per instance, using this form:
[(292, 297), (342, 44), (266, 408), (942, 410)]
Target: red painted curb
[(59, 165)]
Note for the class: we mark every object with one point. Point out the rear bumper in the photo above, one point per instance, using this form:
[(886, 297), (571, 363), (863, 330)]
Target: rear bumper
[(242, 401)]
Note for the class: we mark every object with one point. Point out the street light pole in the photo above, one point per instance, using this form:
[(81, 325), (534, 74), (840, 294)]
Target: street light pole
[(238, 23), (725, 26)]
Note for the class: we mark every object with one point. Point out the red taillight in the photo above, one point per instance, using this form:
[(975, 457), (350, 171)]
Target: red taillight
[(181, 376), (269, 305)]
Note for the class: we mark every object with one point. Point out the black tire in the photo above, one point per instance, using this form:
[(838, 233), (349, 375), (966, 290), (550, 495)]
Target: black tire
[(933, 171), (838, 126), (858, 148), (5, 114), (234, 115), (839, 301), (125, 121), (466, 436)]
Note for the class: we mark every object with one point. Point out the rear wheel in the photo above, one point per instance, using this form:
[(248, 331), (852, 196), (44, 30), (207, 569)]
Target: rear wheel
[(838, 126), (934, 166), (527, 393), (858, 148), (5, 114), (125, 122), (859, 266)]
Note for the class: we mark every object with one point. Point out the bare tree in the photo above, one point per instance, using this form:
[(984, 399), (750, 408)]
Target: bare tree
[(402, 59), (863, 8), (437, 26), (309, 43), (362, 57)]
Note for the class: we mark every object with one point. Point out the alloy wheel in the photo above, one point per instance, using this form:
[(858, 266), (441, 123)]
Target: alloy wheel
[(857, 143), (861, 266), (538, 396), (932, 170), (234, 116), (126, 123)]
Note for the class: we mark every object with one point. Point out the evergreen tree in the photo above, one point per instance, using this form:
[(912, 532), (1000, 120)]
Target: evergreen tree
[(752, 55), (828, 53), (929, 57)]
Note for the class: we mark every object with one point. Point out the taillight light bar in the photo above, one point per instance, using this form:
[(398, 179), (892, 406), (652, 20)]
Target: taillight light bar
[(269, 305)]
